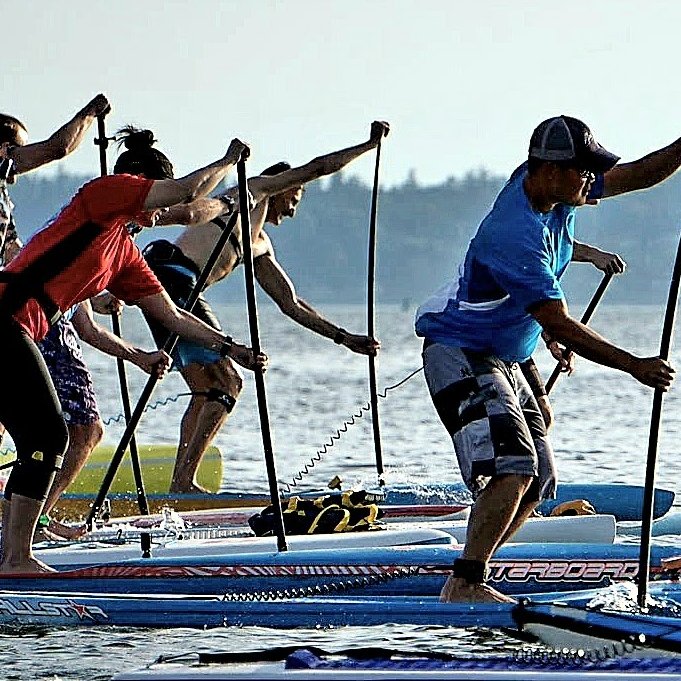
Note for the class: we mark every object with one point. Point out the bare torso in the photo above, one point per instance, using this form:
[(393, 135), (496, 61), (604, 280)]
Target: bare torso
[(197, 243)]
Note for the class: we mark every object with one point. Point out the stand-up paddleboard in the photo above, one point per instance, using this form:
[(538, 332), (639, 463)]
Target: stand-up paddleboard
[(376, 664), (670, 524), (157, 467), (570, 623), (199, 567), (238, 517), (590, 529), (622, 501)]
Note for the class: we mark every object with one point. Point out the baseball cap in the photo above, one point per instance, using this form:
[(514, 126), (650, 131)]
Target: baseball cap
[(565, 139)]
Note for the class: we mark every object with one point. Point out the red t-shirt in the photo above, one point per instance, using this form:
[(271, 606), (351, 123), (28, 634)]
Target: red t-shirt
[(112, 261)]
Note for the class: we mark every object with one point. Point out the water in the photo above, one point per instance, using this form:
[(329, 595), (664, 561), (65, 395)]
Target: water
[(313, 386)]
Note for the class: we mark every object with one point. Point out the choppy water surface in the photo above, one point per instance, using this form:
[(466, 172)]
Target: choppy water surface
[(313, 386)]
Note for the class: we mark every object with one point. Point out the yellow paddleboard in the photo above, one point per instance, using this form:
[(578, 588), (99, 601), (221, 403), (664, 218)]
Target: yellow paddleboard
[(157, 463)]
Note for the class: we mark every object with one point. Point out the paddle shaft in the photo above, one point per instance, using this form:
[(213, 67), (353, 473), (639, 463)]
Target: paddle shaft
[(371, 290), (653, 438), (102, 142), (261, 393), (168, 346), (586, 318)]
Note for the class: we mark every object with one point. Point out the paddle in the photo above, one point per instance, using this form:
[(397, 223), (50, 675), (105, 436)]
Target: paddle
[(651, 463), (168, 346), (102, 141), (244, 210), (586, 317), (371, 281)]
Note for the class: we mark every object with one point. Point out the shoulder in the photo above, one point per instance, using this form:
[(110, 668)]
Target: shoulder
[(511, 210)]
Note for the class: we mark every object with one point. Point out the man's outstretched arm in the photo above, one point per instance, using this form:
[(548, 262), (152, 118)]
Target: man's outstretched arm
[(156, 361), (643, 173), (161, 307), (263, 186), (165, 193), (559, 325), (60, 143), (198, 212), (276, 283)]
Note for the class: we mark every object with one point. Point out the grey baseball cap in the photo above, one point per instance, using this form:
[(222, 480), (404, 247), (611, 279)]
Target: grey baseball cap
[(568, 140)]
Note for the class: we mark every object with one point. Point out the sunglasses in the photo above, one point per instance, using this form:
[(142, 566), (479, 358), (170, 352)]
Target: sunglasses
[(584, 174)]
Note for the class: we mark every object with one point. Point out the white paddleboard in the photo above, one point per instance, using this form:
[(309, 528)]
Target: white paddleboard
[(580, 529), (94, 553)]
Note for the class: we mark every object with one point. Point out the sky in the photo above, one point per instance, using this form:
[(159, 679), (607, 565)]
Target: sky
[(461, 83)]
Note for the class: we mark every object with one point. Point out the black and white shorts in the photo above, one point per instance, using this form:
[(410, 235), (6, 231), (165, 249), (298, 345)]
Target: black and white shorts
[(492, 417)]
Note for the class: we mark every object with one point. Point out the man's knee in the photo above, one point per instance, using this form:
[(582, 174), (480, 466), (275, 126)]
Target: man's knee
[(38, 463), (86, 435), (217, 397)]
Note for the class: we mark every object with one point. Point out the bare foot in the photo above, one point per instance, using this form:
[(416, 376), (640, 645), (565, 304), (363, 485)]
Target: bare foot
[(57, 531), (67, 531), (30, 565), (459, 591), (191, 488)]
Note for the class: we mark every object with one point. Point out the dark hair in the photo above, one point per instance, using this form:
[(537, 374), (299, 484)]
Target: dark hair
[(9, 126), (141, 158), (533, 165), (277, 168)]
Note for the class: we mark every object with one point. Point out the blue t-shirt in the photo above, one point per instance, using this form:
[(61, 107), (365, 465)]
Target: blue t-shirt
[(516, 258)]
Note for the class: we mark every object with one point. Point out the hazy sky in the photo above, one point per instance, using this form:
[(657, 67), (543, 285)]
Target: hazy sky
[(462, 83)]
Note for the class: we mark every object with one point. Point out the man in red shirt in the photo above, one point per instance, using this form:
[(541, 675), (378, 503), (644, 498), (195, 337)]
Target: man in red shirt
[(84, 250)]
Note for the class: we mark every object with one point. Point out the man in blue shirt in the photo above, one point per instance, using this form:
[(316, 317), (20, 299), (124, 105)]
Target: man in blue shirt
[(482, 326)]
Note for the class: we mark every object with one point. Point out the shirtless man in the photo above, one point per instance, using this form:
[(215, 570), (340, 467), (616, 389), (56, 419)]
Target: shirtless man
[(276, 194)]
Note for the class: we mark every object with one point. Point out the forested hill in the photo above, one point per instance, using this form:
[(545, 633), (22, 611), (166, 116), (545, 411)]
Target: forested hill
[(423, 234)]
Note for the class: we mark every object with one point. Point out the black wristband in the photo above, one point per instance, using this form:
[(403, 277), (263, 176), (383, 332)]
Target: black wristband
[(340, 336), (473, 571), (226, 347)]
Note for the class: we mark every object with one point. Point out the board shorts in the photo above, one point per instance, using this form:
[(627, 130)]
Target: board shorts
[(492, 417), (70, 375), (178, 275)]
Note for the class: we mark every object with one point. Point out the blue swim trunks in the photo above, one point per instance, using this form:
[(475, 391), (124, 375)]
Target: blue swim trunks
[(178, 275)]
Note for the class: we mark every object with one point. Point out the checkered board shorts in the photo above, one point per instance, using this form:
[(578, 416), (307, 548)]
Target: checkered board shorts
[(492, 417)]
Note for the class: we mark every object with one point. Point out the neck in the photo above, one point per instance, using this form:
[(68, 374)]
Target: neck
[(539, 197)]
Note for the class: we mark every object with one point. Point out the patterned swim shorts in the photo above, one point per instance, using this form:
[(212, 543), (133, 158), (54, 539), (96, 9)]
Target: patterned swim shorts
[(70, 375), (492, 417)]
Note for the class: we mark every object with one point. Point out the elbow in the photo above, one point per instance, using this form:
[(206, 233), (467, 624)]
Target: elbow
[(87, 335), (174, 322), (554, 320), (59, 148), (191, 195), (558, 330), (289, 307)]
